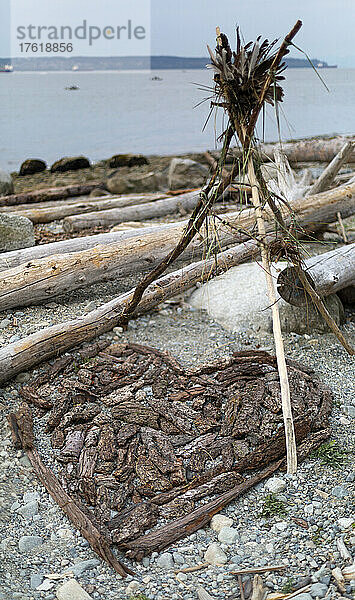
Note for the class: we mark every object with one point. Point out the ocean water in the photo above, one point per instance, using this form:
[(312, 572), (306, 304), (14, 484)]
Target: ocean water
[(119, 112)]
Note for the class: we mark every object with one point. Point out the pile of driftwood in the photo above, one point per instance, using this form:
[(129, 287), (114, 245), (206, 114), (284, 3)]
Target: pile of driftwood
[(132, 431)]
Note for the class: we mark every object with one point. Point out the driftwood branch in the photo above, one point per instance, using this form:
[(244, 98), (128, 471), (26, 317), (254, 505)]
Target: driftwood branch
[(73, 511), (326, 178), (46, 194)]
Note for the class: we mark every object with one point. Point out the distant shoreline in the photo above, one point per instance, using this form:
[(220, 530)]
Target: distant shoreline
[(132, 63)]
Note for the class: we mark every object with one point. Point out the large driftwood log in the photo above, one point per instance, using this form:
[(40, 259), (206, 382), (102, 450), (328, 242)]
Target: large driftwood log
[(45, 194), (313, 150), (52, 341), (44, 278), (46, 214), (150, 210), (328, 273), (8, 260)]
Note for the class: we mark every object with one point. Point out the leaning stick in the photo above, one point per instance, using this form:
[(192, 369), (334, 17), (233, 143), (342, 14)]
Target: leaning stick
[(279, 345)]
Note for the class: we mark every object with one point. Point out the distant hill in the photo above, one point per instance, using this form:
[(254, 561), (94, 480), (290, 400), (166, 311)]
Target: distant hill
[(111, 63)]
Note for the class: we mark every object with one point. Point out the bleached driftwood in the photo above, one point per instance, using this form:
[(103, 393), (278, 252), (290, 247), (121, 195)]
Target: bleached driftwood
[(313, 150), (328, 273), (324, 181), (52, 341), (44, 278), (47, 214), (46, 194), (150, 210)]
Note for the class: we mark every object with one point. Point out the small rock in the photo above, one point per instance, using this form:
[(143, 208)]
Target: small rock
[(30, 497), (127, 160), (345, 522), (36, 580), (133, 184), (181, 576), (146, 561), (178, 558), (340, 491), (165, 561), (65, 534), (228, 535), (79, 568), (29, 510), (45, 586), (303, 597), (71, 590), (31, 166), (5, 323), (70, 164), (89, 307), (186, 173), (118, 330), (219, 521), (132, 587), (6, 184), (318, 589), (275, 485), (16, 232), (214, 555), (29, 542)]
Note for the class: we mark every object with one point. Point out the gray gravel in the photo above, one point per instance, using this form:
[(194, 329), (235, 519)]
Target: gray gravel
[(37, 540)]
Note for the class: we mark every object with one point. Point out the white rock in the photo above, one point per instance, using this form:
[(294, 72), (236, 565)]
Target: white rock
[(238, 301), (228, 535), (281, 525), (309, 509), (30, 497), (28, 510), (219, 521), (45, 586), (65, 534), (132, 587), (275, 485), (28, 542), (345, 522), (214, 555), (165, 561), (71, 590)]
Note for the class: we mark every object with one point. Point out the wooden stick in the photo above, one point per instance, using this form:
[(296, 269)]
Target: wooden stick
[(240, 583), (73, 511), (326, 178), (253, 570), (342, 228), (279, 346), (193, 569)]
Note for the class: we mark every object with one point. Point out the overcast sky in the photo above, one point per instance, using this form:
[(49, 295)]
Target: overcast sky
[(183, 27)]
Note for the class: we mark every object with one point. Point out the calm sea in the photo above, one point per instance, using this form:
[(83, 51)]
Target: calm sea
[(115, 112)]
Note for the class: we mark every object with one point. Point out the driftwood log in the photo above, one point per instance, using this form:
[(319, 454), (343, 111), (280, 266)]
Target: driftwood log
[(47, 214), (52, 341), (46, 194), (151, 210), (328, 273), (8, 260), (41, 279), (313, 150)]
